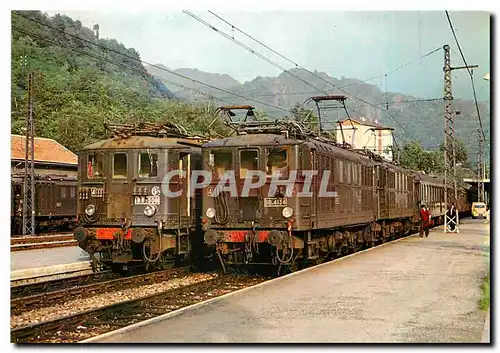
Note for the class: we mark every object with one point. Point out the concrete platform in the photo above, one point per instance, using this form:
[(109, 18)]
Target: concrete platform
[(20, 260), (48, 273), (413, 290)]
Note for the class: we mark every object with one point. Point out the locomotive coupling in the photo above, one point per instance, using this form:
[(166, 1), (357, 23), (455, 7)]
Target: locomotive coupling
[(211, 237), (80, 234)]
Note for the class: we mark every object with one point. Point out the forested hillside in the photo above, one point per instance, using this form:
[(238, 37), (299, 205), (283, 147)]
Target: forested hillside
[(82, 81)]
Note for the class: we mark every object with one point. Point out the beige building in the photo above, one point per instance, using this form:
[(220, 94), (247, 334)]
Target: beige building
[(366, 134)]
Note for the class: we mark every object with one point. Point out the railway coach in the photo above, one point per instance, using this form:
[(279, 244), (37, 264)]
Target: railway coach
[(125, 218), (55, 200)]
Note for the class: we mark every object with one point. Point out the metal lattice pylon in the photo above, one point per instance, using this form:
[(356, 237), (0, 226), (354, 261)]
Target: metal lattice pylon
[(29, 167), (450, 166), (480, 167)]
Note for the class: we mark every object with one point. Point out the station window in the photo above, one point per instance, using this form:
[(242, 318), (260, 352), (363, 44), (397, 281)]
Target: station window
[(63, 192), (248, 161), (72, 192), (148, 164), (119, 165), (277, 162), (94, 166)]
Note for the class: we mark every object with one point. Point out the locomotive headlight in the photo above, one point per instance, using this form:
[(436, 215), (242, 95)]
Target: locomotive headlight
[(287, 212), (149, 210), (210, 213), (90, 210)]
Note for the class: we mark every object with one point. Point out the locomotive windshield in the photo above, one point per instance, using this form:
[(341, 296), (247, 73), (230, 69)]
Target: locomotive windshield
[(148, 164), (221, 161), (119, 165), (277, 162), (94, 165), (248, 161)]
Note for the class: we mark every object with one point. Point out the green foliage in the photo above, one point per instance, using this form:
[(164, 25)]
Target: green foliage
[(484, 302), (76, 93), (413, 156), (299, 113)]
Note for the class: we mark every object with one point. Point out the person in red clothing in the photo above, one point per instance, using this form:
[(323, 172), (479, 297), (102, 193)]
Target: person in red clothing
[(425, 217)]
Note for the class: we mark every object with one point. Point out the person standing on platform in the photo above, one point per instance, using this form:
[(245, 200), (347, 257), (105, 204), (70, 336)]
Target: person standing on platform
[(425, 217)]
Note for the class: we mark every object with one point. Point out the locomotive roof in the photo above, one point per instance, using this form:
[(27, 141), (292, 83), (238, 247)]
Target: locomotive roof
[(142, 142), (255, 140), (250, 140)]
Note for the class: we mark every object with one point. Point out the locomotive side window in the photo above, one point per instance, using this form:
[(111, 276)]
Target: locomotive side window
[(221, 161), (119, 165), (94, 166), (63, 192), (248, 161), (72, 192), (148, 164), (277, 162)]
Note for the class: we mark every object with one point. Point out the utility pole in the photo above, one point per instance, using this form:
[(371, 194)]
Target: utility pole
[(29, 171), (450, 162), (480, 167)]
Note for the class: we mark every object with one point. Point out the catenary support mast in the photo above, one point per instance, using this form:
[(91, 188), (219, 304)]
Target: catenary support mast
[(450, 162)]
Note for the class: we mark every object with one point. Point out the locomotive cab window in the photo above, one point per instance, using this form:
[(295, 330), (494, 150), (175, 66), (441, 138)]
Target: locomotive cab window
[(94, 166), (248, 162), (148, 164), (119, 165), (221, 161), (277, 162)]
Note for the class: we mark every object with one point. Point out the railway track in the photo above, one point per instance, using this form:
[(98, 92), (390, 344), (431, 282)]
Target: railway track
[(42, 242), (40, 238), (93, 322), (75, 291), (23, 290), (73, 328)]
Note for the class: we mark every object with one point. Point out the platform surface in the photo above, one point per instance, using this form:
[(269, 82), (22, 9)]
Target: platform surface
[(25, 259), (414, 290)]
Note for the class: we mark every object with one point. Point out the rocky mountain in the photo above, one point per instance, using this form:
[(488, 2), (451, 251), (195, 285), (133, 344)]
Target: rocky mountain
[(219, 80), (411, 117)]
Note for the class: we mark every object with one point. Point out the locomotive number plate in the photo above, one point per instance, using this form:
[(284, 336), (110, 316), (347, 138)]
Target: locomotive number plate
[(147, 200), (96, 192), (274, 202)]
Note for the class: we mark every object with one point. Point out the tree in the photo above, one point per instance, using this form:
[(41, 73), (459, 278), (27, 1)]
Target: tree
[(413, 156), (96, 30), (306, 116), (460, 153)]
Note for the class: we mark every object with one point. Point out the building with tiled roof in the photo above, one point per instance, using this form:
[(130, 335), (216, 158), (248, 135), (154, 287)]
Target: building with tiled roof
[(51, 158)]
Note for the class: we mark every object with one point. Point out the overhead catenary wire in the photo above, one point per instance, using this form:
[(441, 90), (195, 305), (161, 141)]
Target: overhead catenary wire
[(152, 65), (310, 72), (468, 70), (297, 65), (33, 35), (275, 64)]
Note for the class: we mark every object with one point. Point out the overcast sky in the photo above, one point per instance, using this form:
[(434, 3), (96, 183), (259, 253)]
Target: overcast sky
[(350, 44)]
